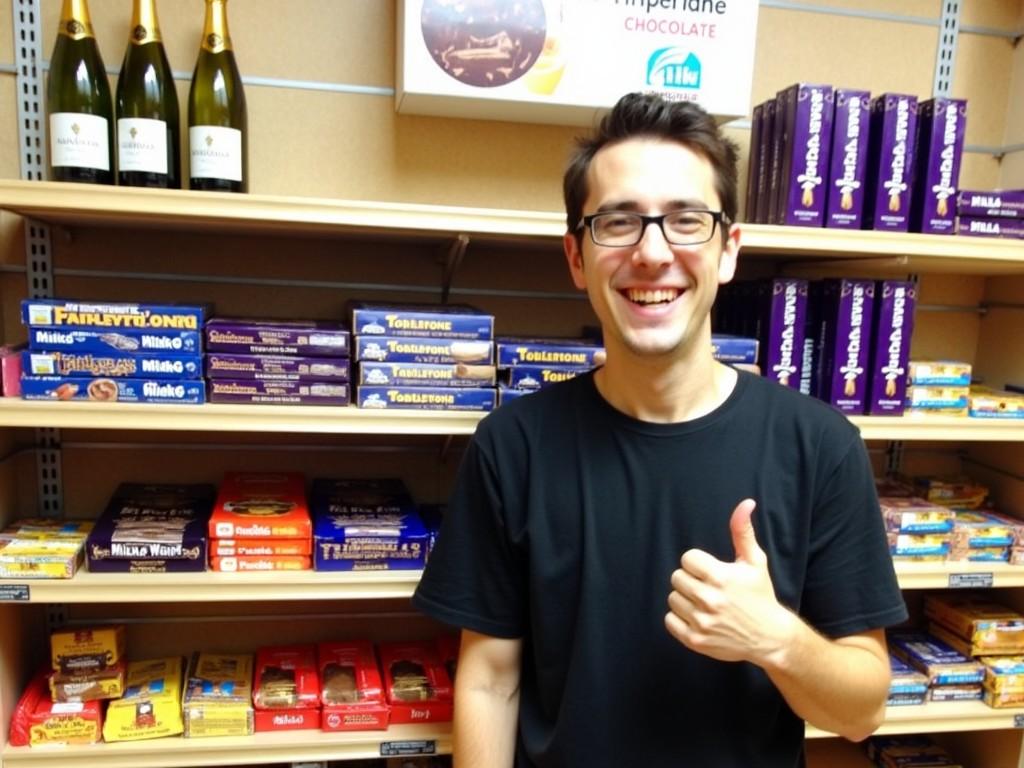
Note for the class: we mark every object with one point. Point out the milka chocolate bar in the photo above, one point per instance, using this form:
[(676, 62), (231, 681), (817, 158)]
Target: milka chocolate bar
[(891, 162), (62, 313), (426, 374), (118, 364), (848, 167), (538, 376), (113, 390), (122, 340), (317, 338), (994, 203), (783, 302), (569, 352), (381, 349), (754, 163), (221, 365), (975, 227), (894, 323), (300, 392), (427, 398), (846, 314), (805, 155), (421, 321), (940, 144)]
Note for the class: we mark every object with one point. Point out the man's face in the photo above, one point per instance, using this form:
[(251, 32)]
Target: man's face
[(652, 298)]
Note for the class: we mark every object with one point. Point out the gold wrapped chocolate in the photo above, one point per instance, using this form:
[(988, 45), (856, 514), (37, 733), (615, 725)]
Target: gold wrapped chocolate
[(808, 197), (894, 203), (850, 387), (846, 200), (890, 387), (942, 207)]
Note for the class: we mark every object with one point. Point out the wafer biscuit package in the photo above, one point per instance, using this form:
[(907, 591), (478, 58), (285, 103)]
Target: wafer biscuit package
[(40, 555), (125, 340), (989, 627), (942, 664), (891, 162), (286, 678), (907, 686), (1004, 673), (151, 705), (416, 683), (138, 365), (92, 686), (913, 515), (352, 693), (218, 695), (108, 390)]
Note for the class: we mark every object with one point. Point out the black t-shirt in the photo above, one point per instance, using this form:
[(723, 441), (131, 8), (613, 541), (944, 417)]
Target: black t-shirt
[(566, 522)]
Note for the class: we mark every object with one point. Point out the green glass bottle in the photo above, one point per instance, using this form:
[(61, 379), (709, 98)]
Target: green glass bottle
[(78, 104), (218, 135), (148, 148)]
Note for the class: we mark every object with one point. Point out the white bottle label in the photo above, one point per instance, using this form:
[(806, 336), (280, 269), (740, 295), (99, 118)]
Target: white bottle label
[(141, 145), (215, 152), (79, 140)]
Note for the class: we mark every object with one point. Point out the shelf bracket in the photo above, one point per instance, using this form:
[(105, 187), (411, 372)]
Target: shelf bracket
[(894, 457), (945, 55), (452, 260)]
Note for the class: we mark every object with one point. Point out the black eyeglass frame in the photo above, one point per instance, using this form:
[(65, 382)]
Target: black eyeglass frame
[(718, 219)]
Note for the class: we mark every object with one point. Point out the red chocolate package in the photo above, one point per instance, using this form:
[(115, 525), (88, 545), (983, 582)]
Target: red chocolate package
[(416, 683), (261, 505), (352, 692), (286, 678), (37, 720)]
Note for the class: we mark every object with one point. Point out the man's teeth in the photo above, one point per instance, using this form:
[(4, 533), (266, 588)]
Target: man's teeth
[(652, 297)]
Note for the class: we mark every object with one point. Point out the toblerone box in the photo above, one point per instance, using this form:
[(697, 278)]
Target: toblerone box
[(805, 156), (940, 144), (848, 167), (890, 162), (151, 705), (894, 323), (451, 321)]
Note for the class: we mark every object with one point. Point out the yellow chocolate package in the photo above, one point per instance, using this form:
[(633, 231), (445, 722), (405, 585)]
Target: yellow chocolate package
[(151, 706), (85, 650)]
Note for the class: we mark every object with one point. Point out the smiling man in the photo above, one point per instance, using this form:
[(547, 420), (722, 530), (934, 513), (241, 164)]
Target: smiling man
[(620, 599)]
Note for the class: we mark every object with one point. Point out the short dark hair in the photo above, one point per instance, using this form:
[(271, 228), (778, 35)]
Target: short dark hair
[(649, 115)]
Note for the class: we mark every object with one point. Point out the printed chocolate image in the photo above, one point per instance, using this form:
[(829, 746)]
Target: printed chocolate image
[(277, 687), (409, 682), (485, 43), (259, 507), (119, 342), (339, 683), (102, 389)]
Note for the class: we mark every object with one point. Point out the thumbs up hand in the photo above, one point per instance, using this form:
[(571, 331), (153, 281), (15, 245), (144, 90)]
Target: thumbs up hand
[(728, 610)]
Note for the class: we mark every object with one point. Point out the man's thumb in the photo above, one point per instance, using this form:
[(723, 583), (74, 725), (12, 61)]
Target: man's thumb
[(743, 539)]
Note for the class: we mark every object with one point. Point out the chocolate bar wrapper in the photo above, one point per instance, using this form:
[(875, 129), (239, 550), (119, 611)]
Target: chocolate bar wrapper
[(260, 547), (805, 156), (276, 367), (169, 342), (1004, 673), (416, 683), (84, 650), (977, 227), (315, 338), (954, 692), (191, 392), (387, 349), (352, 692), (369, 542), (939, 373), (424, 321), (782, 302), (534, 377), (914, 515), (891, 162), (53, 556), (92, 686), (278, 392), (894, 323), (994, 203), (116, 364), (937, 398), (62, 313), (846, 314), (427, 398), (733, 349), (426, 374), (984, 403), (268, 563), (261, 505), (848, 166), (990, 628), (564, 352), (39, 721), (940, 143), (938, 661)]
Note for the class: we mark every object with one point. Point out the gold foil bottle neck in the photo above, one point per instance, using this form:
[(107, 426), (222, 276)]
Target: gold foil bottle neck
[(74, 20), (216, 37), (145, 25)]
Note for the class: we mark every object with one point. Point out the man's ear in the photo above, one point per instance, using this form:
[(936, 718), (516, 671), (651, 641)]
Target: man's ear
[(574, 257), (730, 255)]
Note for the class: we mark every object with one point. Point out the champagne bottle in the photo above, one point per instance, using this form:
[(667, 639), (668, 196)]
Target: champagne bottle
[(78, 102), (218, 135), (148, 153)]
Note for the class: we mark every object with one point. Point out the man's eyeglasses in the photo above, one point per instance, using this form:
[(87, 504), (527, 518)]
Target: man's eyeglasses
[(617, 229)]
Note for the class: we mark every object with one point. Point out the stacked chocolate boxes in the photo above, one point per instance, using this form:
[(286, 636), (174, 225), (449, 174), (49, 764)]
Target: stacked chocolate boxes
[(261, 522), (992, 213), (278, 362), (938, 387), (129, 353), (528, 365), (837, 158), (424, 357), (151, 528)]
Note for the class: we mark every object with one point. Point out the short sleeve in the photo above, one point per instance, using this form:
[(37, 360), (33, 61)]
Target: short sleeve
[(851, 584), (475, 577)]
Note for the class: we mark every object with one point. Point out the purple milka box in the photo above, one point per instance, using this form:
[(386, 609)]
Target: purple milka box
[(805, 155), (302, 392), (890, 162), (890, 353), (317, 338), (846, 180), (780, 137), (940, 144), (996, 203), (276, 367), (809, 383), (764, 166), (783, 304), (753, 163), (979, 227), (846, 318)]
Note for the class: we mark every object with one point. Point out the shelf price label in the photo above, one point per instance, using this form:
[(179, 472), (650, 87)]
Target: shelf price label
[(403, 748), (14, 593), (971, 580), (1018, 721)]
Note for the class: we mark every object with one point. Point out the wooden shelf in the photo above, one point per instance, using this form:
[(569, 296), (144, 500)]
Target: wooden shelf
[(279, 747), (954, 574), (940, 717), (67, 204), (939, 428)]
